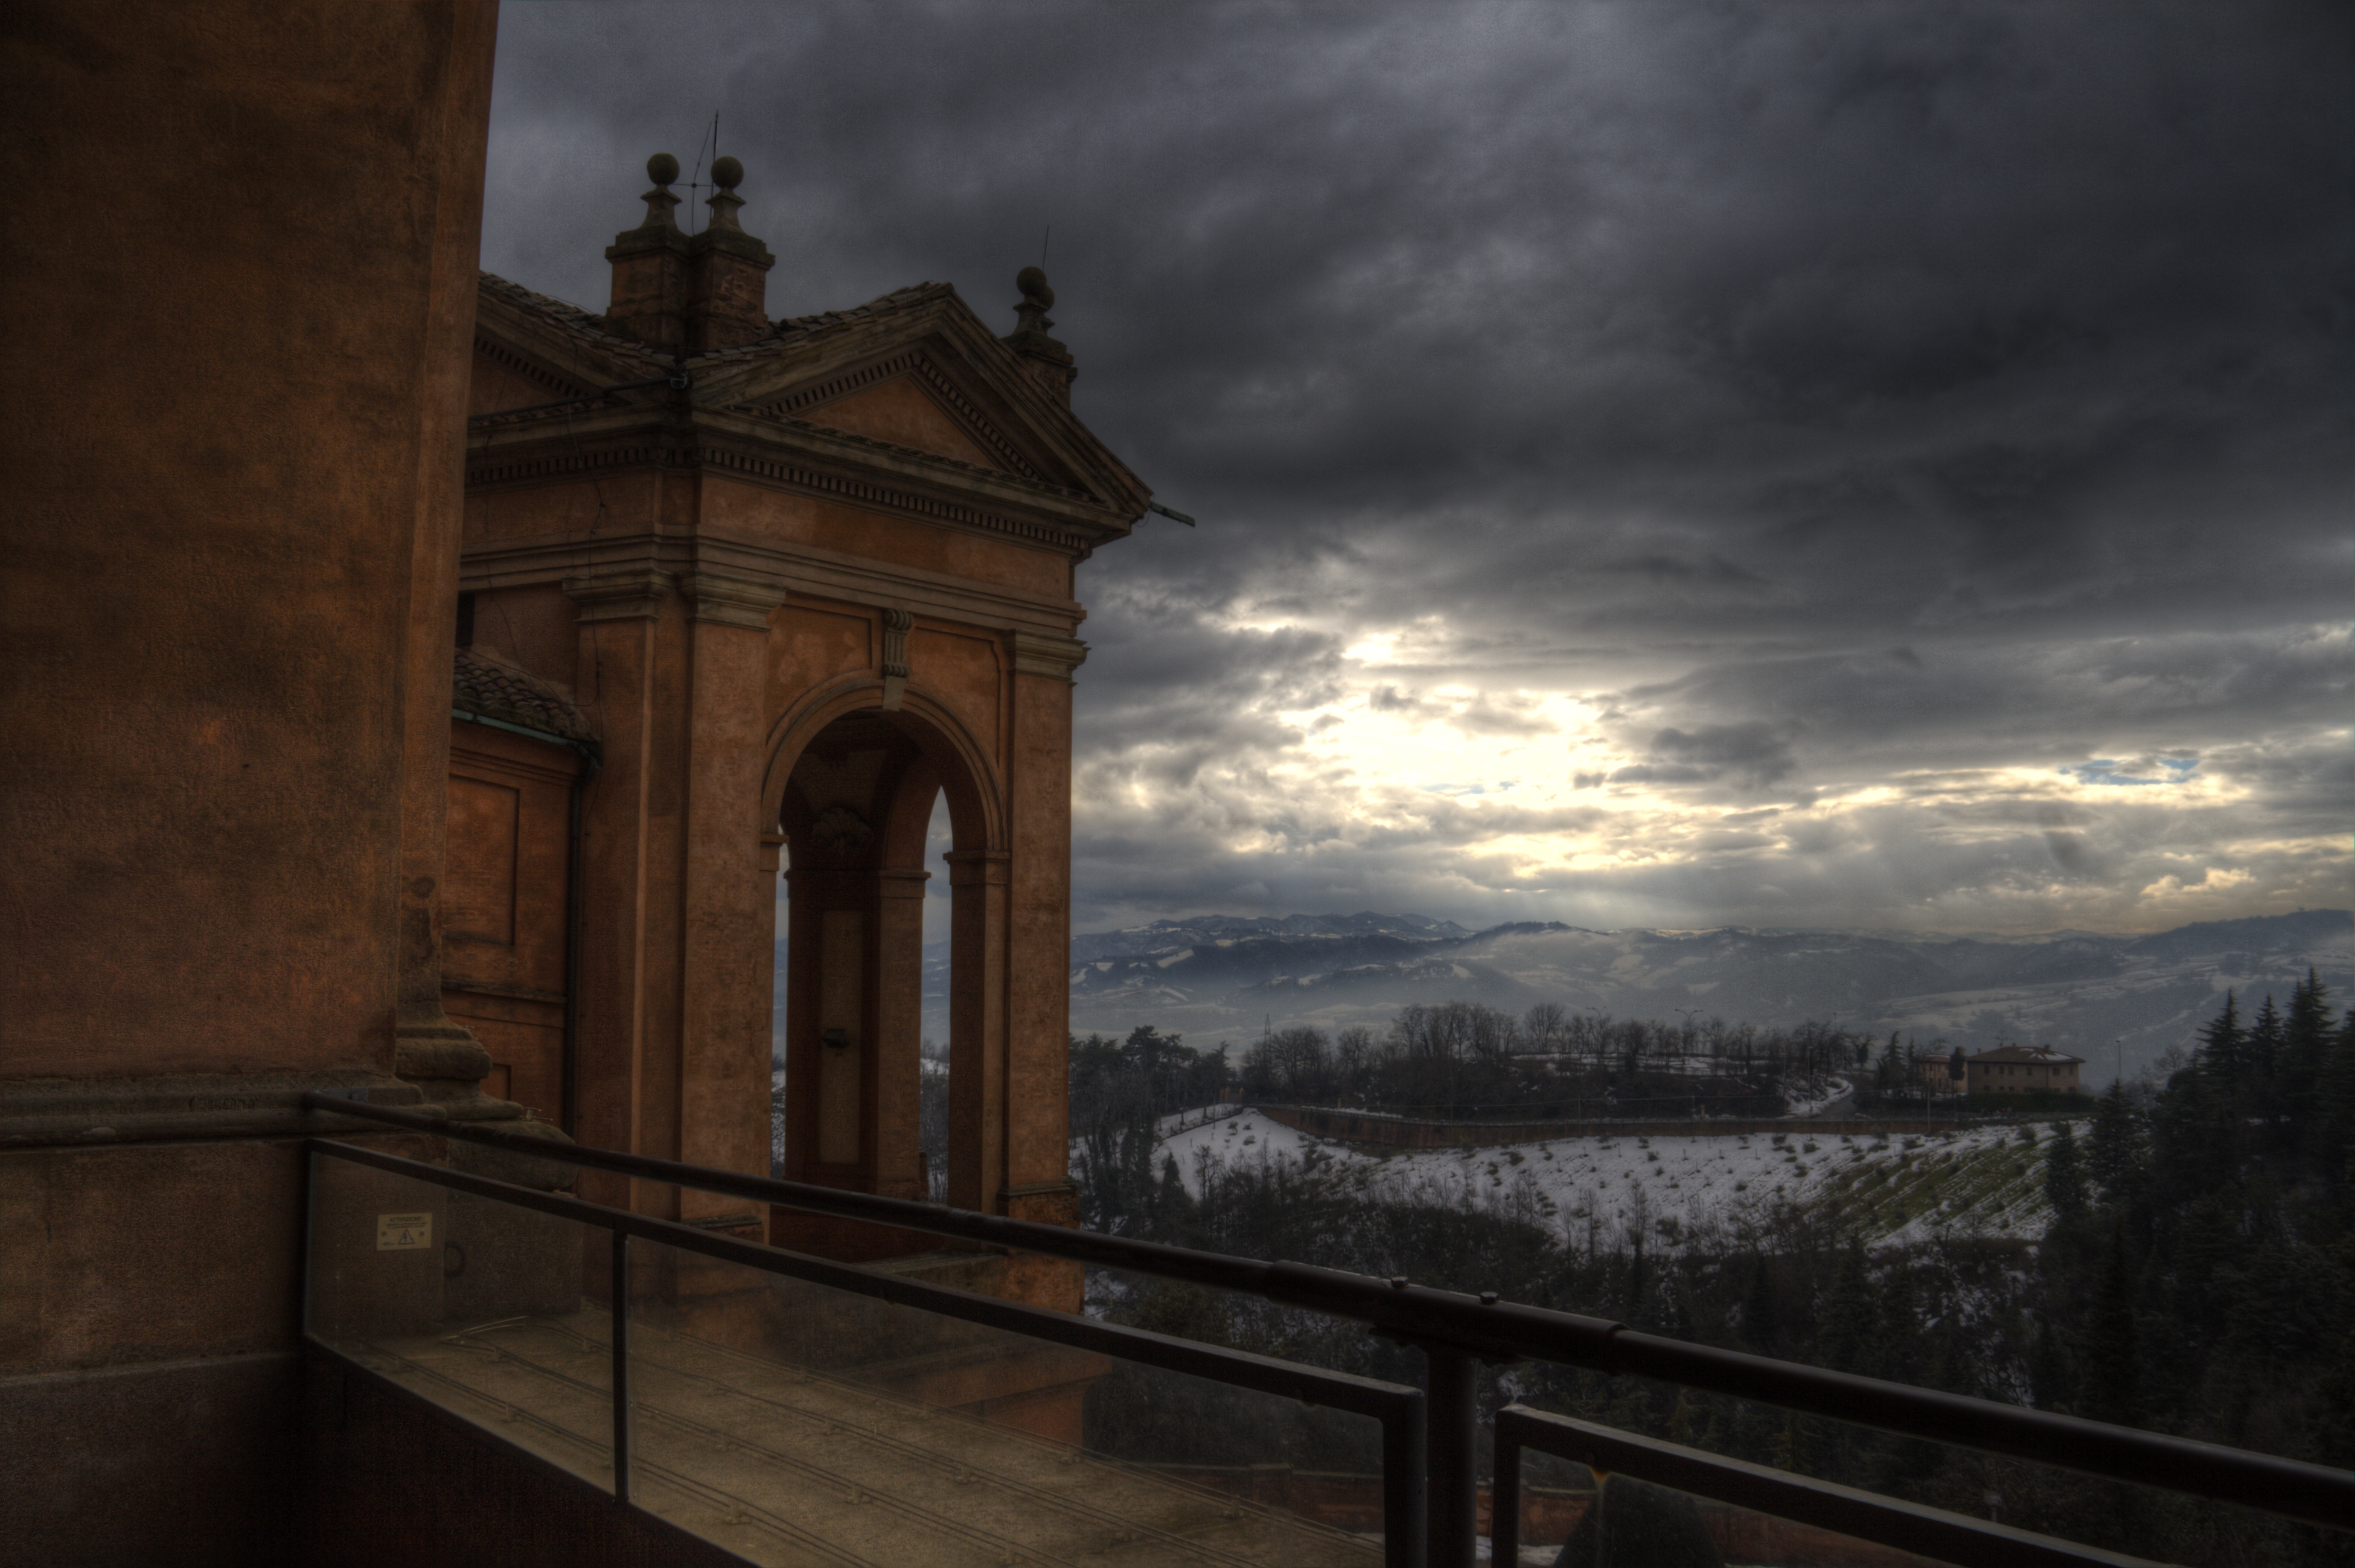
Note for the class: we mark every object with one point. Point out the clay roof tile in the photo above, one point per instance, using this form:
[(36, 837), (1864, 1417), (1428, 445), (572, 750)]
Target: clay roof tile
[(785, 333), (492, 688)]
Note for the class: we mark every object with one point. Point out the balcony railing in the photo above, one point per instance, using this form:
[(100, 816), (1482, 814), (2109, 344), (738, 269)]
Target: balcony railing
[(688, 1345)]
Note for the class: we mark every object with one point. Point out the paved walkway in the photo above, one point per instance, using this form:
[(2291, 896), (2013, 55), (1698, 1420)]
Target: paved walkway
[(788, 1466)]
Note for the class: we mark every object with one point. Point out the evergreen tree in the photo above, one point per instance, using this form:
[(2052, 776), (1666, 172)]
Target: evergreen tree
[(1680, 1421), (2333, 1153), (1846, 1332), (2268, 1044), (2263, 1050), (1795, 1448), (1762, 1324), (1173, 1207), (2117, 1155), (2222, 1055), (1895, 1349), (2047, 1366), (2331, 1425), (2064, 1181), (2108, 1358), (1894, 1075), (2306, 1044)]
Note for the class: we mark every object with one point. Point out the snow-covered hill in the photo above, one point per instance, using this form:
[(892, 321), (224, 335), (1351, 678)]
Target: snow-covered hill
[(1983, 1184)]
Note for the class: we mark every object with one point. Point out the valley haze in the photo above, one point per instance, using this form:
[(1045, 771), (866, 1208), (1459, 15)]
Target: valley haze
[(1218, 978)]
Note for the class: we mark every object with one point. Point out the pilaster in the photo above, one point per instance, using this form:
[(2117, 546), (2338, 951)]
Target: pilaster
[(979, 884), (724, 956), (1038, 934), (617, 613)]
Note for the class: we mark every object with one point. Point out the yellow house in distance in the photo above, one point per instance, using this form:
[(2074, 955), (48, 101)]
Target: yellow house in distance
[(1940, 1072), (2016, 1069)]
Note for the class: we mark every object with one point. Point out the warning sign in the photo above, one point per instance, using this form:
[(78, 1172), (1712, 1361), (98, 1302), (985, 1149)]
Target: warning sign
[(403, 1233)]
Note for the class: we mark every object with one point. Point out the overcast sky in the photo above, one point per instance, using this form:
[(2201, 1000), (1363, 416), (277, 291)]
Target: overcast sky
[(1659, 464)]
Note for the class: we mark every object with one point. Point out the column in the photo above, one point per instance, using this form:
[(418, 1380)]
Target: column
[(1038, 932), (617, 617), (723, 959)]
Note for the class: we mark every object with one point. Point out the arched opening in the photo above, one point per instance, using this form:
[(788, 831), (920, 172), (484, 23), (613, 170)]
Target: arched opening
[(937, 1064), (779, 894), (877, 950)]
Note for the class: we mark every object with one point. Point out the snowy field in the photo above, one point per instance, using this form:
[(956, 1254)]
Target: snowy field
[(1983, 1184)]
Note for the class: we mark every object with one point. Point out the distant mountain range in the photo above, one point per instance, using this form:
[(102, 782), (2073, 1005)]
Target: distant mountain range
[(1219, 977)]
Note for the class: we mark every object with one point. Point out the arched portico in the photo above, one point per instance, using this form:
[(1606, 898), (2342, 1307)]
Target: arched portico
[(852, 789), (795, 597)]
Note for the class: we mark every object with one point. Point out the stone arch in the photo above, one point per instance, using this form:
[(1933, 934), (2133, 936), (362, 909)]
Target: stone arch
[(849, 792), (977, 800)]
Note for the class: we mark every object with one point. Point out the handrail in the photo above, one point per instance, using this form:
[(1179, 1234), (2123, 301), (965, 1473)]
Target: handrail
[(1496, 1330), (1912, 1526), (1397, 1406)]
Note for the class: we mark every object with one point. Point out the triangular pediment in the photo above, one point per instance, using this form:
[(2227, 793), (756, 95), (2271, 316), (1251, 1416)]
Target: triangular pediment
[(905, 411), (915, 371), (919, 371), (907, 400)]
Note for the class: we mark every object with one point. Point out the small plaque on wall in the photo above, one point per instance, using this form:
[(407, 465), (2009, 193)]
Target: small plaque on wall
[(403, 1233)]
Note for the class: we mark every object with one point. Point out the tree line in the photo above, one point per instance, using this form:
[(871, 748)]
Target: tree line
[(1456, 1058), (2195, 1279)]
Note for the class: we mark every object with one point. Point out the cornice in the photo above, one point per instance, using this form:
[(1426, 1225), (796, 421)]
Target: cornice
[(632, 593), (878, 494), (1054, 658), (805, 571), (531, 368), (818, 431), (799, 457), (727, 599), (544, 461)]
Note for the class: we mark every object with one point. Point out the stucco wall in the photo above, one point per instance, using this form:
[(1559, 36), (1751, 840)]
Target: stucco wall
[(233, 410)]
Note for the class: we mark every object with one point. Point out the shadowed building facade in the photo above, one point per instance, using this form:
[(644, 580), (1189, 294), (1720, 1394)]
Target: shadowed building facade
[(796, 580), (752, 617)]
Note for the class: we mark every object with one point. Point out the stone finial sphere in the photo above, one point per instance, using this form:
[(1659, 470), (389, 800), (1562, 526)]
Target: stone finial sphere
[(1032, 282), (661, 168), (726, 172)]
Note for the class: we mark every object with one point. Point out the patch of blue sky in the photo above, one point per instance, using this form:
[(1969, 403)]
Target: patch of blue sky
[(2105, 770), (1497, 786)]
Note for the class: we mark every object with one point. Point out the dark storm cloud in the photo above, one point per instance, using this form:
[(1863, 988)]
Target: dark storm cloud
[(1754, 753), (1919, 386)]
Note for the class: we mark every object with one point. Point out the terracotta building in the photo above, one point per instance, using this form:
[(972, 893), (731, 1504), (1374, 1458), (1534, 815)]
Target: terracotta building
[(2016, 1069), (746, 599), (774, 586), (235, 435)]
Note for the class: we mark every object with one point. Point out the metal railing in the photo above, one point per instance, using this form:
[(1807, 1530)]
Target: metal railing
[(1398, 1408), (1455, 1332), (1949, 1538)]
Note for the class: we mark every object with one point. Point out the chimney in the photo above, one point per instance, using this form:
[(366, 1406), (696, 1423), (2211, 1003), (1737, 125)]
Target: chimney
[(726, 272), (650, 269), (1048, 362)]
